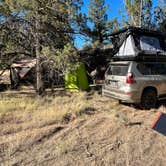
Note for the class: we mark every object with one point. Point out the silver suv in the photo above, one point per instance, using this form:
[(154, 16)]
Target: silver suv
[(141, 83)]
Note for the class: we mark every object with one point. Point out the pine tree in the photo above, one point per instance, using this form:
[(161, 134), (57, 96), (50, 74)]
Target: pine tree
[(139, 13), (160, 15), (133, 12), (29, 26), (99, 19), (146, 18)]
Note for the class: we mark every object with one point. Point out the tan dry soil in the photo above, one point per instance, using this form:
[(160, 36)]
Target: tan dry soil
[(104, 134)]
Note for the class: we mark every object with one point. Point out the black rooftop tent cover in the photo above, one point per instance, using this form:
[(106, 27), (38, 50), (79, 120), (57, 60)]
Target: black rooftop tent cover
[(138, 44)]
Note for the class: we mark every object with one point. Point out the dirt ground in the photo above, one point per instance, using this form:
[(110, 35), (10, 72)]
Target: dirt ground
[(104, 133), (76, 129)]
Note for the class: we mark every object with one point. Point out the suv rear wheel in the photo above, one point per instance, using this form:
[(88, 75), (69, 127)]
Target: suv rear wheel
[(149, 99)]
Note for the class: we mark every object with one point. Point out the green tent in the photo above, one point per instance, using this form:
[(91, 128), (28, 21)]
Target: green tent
[(77, 80)]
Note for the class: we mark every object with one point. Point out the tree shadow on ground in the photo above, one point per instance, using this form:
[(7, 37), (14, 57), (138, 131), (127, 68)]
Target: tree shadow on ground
[(29, 91)]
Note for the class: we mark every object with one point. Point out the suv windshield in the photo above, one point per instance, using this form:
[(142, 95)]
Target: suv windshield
[(118, 69)]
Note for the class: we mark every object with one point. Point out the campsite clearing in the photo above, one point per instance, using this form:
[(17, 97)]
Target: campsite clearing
[(82, 128)]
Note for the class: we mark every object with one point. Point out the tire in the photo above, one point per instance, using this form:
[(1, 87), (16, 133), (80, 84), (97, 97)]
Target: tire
[(149, 99)]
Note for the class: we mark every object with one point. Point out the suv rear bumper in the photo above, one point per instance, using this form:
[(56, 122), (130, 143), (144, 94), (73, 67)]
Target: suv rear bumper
[(128, 97)]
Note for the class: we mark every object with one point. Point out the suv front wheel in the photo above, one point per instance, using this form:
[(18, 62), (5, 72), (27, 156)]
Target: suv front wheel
[(149, 99)]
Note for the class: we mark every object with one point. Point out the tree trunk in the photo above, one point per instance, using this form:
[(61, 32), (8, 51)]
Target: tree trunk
[(39, 78)]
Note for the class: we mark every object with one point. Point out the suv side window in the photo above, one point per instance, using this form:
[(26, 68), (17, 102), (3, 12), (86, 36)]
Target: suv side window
[(152, 68), (159, 69)]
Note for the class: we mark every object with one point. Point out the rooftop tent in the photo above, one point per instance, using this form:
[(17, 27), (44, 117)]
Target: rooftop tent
[(150, 43), (138, 44), (127, 48)]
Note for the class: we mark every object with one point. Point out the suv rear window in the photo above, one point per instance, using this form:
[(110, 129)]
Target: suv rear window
[(152, 68), (118, 69)]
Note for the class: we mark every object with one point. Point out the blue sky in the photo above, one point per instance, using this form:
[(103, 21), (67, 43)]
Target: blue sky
[(115, 6)]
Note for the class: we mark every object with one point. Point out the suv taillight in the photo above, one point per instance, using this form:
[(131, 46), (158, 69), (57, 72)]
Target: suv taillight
[(130, 78)]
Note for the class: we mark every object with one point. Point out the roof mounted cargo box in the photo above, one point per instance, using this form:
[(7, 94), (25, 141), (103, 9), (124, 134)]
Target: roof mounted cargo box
[(139, 45)]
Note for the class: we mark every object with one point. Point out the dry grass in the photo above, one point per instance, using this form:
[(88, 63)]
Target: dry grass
[(26, 120), (75, 129), (40, 111)]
